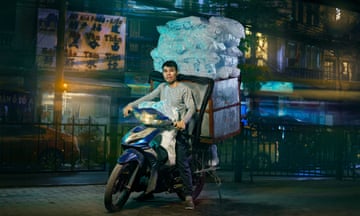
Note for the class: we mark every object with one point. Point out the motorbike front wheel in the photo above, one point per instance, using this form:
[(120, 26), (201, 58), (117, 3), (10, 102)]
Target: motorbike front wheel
[(117, 190)]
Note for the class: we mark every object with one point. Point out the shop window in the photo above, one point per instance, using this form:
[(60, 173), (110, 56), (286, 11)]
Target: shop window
[(329, 70), (346, 73)]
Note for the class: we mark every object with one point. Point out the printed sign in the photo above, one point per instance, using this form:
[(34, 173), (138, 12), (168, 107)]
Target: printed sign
[(92, 41)]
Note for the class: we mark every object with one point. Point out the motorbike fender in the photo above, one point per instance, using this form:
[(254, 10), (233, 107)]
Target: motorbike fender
[(131, 155)]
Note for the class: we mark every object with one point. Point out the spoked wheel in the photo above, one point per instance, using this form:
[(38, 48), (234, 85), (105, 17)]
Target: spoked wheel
[(117, 189), (198, 179)]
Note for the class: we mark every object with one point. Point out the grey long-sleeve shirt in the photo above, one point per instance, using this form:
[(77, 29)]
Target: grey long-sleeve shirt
[(179, 97)]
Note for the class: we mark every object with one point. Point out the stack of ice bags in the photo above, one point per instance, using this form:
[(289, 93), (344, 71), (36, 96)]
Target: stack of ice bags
[(201, 47)]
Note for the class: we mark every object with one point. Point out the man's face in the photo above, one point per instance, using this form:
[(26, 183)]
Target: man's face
[(169, 74)]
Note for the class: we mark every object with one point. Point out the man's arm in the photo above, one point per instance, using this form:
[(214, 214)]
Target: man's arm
[(149, 97), (190, 109)]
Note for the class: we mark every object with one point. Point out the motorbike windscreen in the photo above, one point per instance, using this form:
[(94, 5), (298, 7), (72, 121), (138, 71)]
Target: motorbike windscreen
[(151, 116)]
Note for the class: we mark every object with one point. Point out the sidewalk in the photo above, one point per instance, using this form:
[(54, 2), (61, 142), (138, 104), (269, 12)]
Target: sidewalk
[(263, 197), (53, 179)]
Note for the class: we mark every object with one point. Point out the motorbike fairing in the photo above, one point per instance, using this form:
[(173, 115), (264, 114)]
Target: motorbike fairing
[(140, 136), (131, 155)]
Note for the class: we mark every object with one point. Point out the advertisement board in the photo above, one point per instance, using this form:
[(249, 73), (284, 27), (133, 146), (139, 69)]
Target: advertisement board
[(92, 41)]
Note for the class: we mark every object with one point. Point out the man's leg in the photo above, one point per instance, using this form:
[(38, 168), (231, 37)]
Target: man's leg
[(183, 157)]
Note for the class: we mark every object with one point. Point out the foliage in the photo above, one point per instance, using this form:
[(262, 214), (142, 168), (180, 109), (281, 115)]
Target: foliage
[(253, 75)]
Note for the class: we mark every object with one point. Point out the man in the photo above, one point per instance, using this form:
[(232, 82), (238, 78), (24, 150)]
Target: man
[(179, 96)]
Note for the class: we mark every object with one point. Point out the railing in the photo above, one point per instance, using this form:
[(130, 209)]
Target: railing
[(293, 150), (45, 148), (304, 73), (260, 150)]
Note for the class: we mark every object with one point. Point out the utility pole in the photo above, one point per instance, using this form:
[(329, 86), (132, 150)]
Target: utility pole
[(60, 60)]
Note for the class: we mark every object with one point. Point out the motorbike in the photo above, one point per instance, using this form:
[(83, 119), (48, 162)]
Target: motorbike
[(141, 146)]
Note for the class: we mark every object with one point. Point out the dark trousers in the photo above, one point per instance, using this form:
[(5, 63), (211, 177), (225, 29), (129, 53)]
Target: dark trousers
[(183, 157)]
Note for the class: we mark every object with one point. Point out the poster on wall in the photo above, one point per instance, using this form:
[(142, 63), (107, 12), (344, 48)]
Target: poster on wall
[(92, 41), (16, 106)]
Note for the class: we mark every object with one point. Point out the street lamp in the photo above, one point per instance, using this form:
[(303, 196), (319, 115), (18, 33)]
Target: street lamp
[(60, 60)]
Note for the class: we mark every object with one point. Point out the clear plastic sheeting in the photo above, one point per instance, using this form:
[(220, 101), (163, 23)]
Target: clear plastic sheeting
[(163, 107), (168, 137)]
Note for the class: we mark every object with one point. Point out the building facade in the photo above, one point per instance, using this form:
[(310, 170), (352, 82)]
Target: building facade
[(312, 44)]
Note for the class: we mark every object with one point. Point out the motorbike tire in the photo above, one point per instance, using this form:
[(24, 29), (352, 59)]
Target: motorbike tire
[(117, 191), (198, 180)]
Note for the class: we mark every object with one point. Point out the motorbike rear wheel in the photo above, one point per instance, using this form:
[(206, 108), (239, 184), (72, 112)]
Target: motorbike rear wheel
[(117, 190), (198, 179)]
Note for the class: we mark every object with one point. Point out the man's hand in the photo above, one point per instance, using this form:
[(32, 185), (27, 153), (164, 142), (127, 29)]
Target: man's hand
[(180, 125), (127, 110)]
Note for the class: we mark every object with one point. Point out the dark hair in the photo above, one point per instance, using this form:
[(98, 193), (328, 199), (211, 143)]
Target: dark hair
[(170, 63)]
